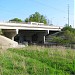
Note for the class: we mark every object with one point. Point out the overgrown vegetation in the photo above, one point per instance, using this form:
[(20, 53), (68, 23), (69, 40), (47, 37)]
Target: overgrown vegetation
[(35, 60), (65, 37)]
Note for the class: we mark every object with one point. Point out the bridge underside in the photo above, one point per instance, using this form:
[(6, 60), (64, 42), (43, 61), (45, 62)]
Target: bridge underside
[(30, 36)]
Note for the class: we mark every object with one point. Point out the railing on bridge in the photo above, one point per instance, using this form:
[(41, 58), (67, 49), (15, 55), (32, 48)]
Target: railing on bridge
[(32, 23)]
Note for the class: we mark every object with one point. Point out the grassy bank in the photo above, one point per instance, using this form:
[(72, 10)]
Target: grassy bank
[(36, 60)]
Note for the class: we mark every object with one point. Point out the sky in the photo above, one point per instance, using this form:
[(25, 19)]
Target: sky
[(54, 10)]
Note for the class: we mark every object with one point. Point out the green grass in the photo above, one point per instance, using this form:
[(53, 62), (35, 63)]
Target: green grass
[(36, 60)]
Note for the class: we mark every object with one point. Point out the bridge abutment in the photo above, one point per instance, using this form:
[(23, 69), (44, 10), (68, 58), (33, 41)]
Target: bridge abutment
[(10, 33)]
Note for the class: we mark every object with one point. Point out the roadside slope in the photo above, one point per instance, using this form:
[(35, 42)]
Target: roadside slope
[(7, 43)]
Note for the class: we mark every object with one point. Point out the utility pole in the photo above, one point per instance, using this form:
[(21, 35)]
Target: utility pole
[(68, 14)]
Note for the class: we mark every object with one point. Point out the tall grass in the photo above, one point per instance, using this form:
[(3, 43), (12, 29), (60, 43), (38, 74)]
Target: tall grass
[(37, 60)]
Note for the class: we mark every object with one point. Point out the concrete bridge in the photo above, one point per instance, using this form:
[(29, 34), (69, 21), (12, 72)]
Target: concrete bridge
[(32, 32)]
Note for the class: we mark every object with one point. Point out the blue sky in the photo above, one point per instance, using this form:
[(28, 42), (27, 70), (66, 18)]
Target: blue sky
[(54, 10)]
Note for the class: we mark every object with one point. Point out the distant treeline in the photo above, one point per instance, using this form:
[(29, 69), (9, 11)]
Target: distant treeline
[(36, 17)]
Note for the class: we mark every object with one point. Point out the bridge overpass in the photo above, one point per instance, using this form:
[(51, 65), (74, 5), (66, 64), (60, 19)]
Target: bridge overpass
[(32, 32)]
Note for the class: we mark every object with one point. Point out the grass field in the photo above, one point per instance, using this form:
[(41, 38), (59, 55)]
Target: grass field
[(36, 60)]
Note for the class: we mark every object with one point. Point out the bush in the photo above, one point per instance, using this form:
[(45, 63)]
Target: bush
[(67, 37)]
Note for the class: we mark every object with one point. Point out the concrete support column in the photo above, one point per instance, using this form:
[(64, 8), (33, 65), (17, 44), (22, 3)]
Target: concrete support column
[(48, 31), (14, 34), (44, 39), (13, 38), (17, 30)]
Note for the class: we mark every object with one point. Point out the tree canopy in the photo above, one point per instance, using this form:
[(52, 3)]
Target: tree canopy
[(16, 20), (36, 17)]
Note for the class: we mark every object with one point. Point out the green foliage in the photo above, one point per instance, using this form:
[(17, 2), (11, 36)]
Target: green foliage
[(36, 17), (26, 20), (69, 34), (37, 61), (68, 28), (16, 20), (67, 37), (57, 40)]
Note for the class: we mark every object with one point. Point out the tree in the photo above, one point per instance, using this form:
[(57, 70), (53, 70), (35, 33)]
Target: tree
[(36, 17), (67, 28), (26, 20), (70, 36), (69, 33), (16, 20), (66, 37)]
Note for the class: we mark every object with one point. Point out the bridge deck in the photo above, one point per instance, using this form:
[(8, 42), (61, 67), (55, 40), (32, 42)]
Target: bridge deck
[(28, 26)]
